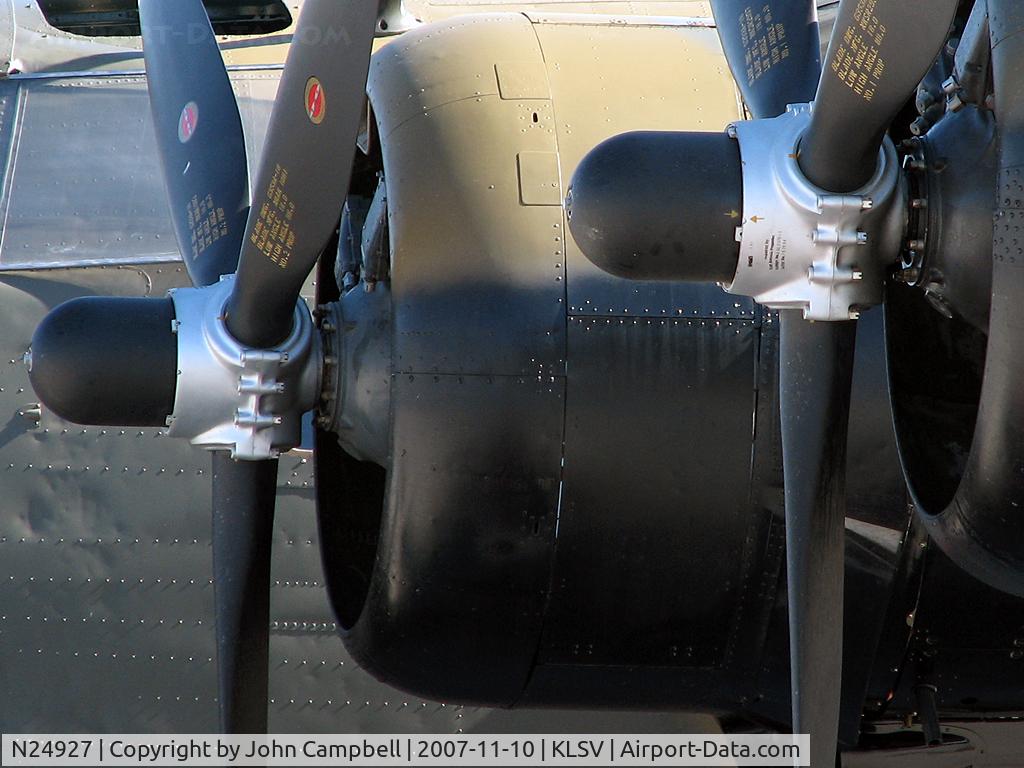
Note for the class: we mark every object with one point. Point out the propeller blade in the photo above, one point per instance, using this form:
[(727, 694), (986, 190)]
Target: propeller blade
[(244, 493), (199, 136), (878, 53), (816, 373), (773, 51), (307, 161)]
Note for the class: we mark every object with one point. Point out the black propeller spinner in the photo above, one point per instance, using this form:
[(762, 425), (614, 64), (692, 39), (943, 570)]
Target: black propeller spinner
[(879, 51), (112, 361)]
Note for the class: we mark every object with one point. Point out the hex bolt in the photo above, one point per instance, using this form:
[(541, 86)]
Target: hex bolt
[(920, 126), (923, 100), (908, 275)]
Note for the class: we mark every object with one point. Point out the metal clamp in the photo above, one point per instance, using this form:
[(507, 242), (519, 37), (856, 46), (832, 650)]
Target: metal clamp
[(802, 247), (229, 397)]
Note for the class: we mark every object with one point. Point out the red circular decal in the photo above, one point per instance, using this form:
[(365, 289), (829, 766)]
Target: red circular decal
[(188, 122), (316, 101)]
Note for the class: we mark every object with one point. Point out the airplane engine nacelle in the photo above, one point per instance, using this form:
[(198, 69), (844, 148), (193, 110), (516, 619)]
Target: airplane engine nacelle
[(553, 486)]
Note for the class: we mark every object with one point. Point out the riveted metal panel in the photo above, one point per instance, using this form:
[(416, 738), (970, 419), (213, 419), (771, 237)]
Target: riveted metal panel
[(522, 80), (459, 588), (103, 552), (61, 173), (477, 276), (647, 572), (407, 78), (82, 179), (538, 178)]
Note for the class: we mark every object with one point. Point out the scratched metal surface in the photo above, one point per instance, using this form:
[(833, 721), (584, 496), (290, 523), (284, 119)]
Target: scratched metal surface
[(106, 602)]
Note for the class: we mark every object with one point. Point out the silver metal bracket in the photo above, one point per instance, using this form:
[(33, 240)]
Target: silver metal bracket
[(802, 247), (374, 245), (394, 19), (230, 397), (971, 63)]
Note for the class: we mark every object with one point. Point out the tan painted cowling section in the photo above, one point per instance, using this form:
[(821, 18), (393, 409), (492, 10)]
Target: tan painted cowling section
[(462, 106), (483, 120), (609, 79), (435, 10)]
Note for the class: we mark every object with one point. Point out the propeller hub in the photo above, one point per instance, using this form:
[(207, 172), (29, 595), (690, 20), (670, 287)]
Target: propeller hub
[(802, 247), (232, 397)]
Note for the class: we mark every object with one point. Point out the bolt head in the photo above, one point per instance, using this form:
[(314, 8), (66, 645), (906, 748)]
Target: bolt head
[(908, 275)]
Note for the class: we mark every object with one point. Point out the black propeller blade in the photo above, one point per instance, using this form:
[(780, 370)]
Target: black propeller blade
[(307, 161), (244, 493), (199, 136), (773, 51), (303, 179), (878, 53), (816, 362), (815, 380)]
